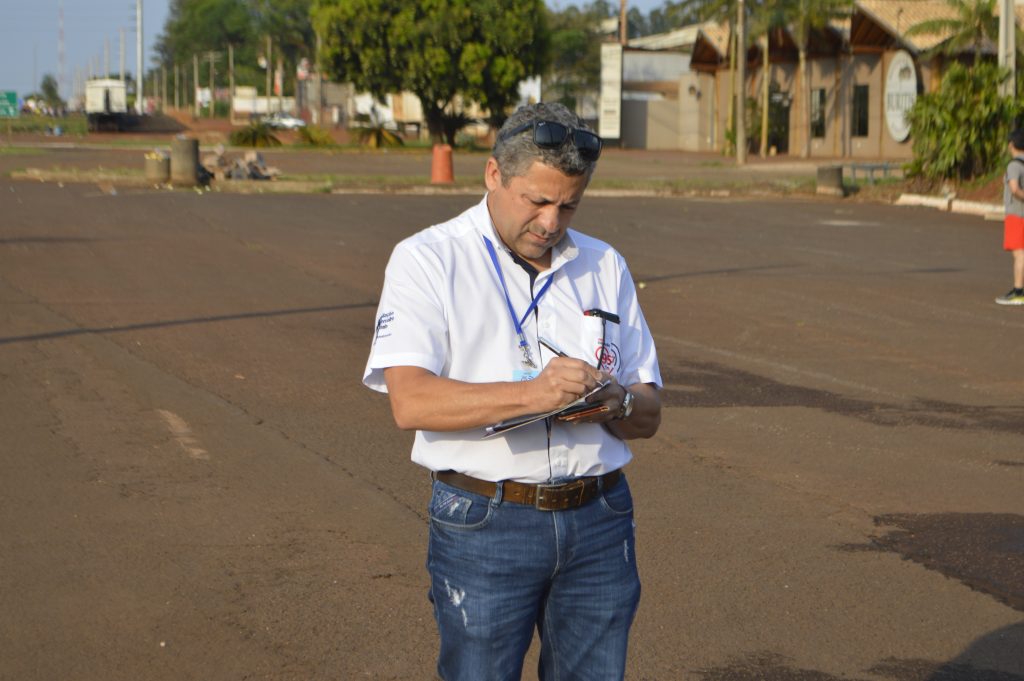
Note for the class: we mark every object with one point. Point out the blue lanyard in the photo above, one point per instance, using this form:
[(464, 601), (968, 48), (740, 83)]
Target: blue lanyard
[(516, 322)]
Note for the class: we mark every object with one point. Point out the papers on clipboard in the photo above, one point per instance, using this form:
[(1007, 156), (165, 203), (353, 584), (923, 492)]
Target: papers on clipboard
[(569, 412)]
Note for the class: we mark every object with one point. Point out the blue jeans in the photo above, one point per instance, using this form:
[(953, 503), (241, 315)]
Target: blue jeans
[(498, 570)]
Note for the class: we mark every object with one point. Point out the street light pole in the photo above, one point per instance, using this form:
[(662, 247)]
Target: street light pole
[(741, 88), (138, 57), (1008, 47)]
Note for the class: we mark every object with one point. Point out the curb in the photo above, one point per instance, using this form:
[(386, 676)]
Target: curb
[(989, 211)]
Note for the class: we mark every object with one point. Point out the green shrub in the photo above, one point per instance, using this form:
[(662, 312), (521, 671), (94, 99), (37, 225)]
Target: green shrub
[(959, 131), (256, 134), (315, 136), (376, 136)]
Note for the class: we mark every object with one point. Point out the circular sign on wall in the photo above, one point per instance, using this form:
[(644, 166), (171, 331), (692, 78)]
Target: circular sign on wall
[(900, 94)]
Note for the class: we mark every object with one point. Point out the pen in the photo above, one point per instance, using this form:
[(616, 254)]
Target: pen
[(552, 347)]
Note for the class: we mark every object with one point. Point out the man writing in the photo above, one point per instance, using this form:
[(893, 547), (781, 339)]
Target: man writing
[(533, 527)]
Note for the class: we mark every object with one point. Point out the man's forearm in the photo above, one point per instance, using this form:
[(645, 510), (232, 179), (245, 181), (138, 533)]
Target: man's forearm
[(646, 416), (421, 400), (429, 402)]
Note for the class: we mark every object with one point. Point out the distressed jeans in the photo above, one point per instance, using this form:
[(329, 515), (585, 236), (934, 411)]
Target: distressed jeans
[(498, 570)]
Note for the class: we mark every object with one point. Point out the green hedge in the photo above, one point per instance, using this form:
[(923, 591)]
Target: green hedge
[(960, 131)]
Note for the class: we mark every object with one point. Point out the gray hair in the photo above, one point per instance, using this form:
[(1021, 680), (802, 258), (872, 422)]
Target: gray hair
[(516, 154)]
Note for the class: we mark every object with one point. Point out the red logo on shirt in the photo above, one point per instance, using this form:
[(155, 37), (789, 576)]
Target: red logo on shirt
[(608, 361)]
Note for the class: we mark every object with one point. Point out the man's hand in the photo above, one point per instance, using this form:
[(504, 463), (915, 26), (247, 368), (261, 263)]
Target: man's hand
[(644, 419), (562, 381)]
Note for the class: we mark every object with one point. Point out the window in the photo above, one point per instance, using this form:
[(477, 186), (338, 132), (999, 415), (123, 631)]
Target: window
[(859, 122), (818, 112)]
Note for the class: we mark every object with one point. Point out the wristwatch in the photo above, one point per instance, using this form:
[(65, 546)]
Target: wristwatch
[(627, 406)]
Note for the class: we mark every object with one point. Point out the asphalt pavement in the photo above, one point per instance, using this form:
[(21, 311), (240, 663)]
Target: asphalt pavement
[(194, 483)]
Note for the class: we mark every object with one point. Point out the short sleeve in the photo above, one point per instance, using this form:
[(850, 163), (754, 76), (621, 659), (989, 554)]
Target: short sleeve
[(640, 360), (411, 327)]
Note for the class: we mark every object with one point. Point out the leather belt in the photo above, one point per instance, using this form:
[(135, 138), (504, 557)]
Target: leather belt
[(542, 497)]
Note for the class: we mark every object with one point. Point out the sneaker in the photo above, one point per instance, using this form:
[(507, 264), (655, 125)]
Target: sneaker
[(1015, 296)]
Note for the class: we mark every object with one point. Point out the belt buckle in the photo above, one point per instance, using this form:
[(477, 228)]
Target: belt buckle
[(561, 496)]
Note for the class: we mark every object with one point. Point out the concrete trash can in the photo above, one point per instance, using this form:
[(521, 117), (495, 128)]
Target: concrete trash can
[(158, 167), (830, 181), (184, 162)]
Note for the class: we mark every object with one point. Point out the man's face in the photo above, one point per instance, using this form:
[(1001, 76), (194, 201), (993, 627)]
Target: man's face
[(533, 212)]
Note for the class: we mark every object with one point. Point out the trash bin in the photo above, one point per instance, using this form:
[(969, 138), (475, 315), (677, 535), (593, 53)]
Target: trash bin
[(184, 161), (441, 170), (158, 167), (830, 180)]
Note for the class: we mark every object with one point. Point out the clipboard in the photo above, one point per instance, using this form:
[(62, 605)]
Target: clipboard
[(569, 412)]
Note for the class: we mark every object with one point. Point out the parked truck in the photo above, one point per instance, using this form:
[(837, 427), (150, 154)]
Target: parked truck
[(106, 105)]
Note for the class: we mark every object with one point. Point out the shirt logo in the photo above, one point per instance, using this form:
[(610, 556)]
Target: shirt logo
[(383, 322), (607, 354)]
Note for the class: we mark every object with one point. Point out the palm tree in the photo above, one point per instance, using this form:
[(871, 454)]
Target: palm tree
[(767, 16), (723, 12), (974, 24), (804, 17)]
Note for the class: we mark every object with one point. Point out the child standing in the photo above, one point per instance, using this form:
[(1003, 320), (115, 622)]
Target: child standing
[(1013, 223)]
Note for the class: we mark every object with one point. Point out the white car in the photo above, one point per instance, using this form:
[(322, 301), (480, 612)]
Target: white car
[(283, 121)]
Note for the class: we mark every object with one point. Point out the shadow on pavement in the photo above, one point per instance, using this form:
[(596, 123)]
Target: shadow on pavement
[(981, 661), (709, 384), (181, 322)]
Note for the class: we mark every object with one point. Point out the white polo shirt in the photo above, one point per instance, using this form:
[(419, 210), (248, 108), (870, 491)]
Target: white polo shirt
[(443, 309)]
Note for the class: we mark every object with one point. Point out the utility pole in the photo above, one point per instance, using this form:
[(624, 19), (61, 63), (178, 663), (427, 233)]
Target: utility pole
[(139, 95), (60, 51), (741, 76), (319, 84), (122, 54), (279, 83), (106, 57), (212, 56), (231, 83), (195, 81), (623, 24), (1008, 47), (766, 73), (269, 67), (177, 92)]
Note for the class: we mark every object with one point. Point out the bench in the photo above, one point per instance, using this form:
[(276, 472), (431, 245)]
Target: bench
[(871, 168)]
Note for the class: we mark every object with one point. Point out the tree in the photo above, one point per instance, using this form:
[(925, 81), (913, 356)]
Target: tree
[(670, 16), (722, 11), (575, 64), (975, 24), (200, 26), (767, 17), (288, 24), (443, 51), (959, 131), (50, 91), (805, 17)]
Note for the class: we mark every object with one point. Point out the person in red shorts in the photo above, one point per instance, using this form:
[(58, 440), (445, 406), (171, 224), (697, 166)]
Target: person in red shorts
[(1013, 223)]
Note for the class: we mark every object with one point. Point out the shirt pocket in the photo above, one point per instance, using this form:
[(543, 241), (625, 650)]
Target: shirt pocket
[(599, 339)]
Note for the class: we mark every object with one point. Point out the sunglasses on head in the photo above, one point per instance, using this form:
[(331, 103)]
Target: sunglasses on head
[(551, 135)]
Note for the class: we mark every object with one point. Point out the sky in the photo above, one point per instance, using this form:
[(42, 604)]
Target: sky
[(29, 32), (29, 37)]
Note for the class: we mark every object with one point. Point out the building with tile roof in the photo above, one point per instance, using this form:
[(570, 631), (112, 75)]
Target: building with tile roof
[(864, 73)]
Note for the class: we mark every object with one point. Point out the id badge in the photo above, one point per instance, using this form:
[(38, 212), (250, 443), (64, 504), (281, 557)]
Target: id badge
[(525, 374)]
